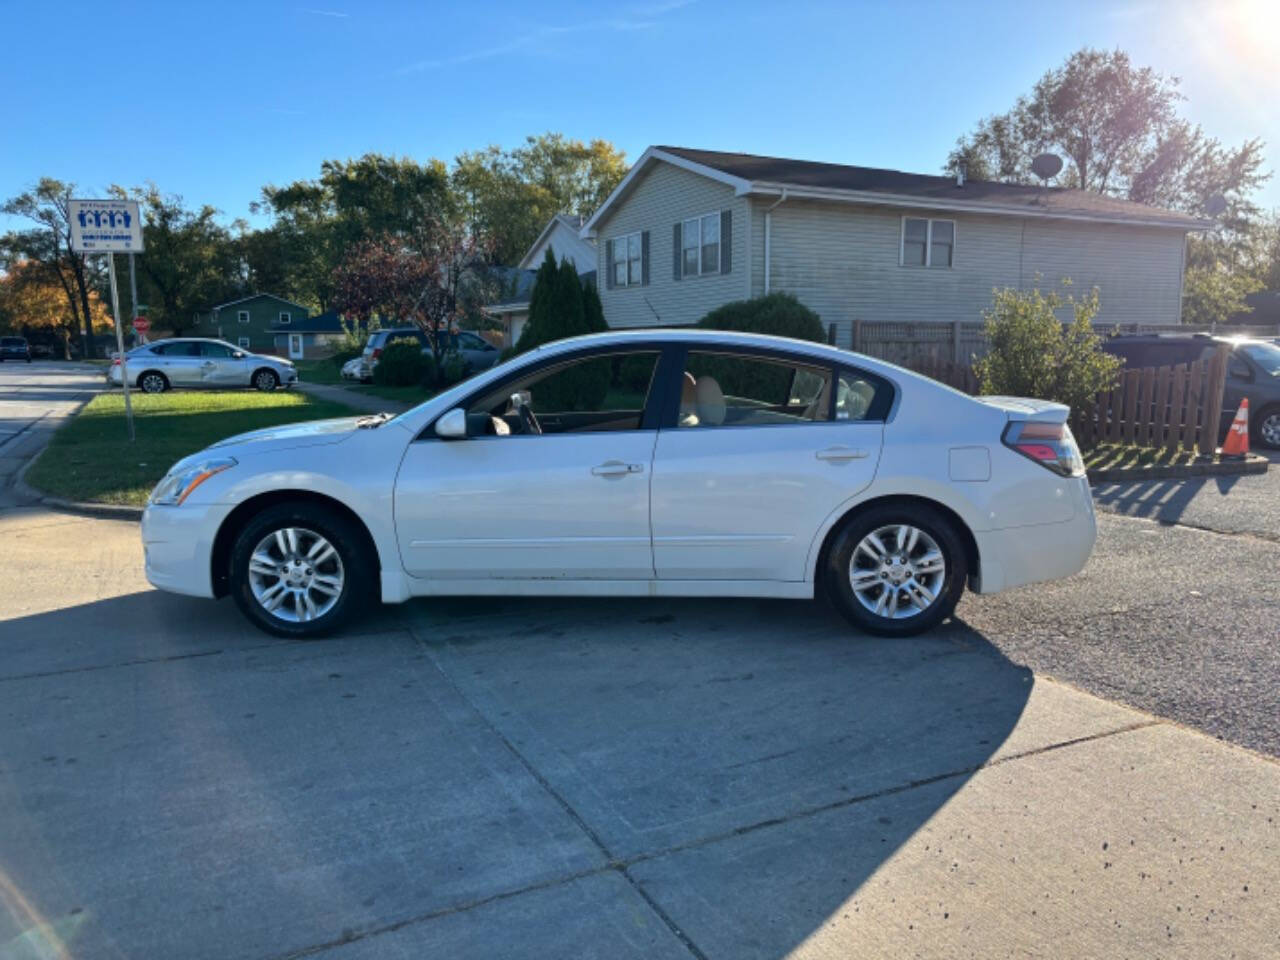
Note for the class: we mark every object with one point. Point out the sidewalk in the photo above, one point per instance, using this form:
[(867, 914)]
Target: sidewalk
[(353, 398)]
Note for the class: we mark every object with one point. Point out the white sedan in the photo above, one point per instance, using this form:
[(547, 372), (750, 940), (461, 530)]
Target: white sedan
[(645, 463)]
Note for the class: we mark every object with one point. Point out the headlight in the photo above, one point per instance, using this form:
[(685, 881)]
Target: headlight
[(177, 485)]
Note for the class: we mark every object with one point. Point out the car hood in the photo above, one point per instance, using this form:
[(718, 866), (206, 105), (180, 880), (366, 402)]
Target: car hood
[(290, 436)]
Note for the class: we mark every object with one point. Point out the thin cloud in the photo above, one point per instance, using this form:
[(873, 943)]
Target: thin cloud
[(636, 18), (326, 13)]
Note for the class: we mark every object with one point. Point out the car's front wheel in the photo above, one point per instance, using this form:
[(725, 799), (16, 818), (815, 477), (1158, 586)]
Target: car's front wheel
[(300, 570), (896, 570), (266, 380)]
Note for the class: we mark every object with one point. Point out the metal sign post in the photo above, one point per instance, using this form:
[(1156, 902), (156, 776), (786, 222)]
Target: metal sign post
[(124, 370), (110, 227)]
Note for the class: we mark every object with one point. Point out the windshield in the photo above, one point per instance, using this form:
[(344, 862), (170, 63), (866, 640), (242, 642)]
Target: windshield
[(1265, 355)]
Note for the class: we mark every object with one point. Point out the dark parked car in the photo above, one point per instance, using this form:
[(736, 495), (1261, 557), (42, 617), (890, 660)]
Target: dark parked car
[(1253, 371), (476, 352), (15, 348)]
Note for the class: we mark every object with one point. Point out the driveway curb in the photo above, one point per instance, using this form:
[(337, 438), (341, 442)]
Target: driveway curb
[(1251, 464), (109, 511)]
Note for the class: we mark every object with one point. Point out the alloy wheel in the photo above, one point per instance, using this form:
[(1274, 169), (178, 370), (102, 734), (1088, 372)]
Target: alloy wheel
[(897, 571), (296, 575), (153, 383), (265, 380), (1269, 430)]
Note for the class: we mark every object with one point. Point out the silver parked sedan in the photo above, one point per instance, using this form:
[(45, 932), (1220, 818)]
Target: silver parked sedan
[(192, 362)]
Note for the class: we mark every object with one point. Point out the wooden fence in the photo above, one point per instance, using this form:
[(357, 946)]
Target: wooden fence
[(961, 342), (1171, 407)]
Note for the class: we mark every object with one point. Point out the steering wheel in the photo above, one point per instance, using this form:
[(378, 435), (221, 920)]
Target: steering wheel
[(528, 422)]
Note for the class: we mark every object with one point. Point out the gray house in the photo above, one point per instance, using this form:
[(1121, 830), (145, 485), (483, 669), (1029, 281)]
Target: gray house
[(688, 230)]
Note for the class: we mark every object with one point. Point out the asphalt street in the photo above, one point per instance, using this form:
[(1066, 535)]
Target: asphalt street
[(35, 398)]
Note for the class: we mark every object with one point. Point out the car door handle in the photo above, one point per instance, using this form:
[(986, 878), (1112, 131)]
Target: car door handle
[(616, 468), (841, 454)]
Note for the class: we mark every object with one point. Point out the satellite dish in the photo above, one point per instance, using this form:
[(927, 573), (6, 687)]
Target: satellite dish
[(1046, 166), (1216, 205)]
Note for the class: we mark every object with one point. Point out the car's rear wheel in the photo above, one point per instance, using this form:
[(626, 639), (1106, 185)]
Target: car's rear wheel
[(1266, 428), (896, 570), (153, 382), (300, 570), (266, 380)]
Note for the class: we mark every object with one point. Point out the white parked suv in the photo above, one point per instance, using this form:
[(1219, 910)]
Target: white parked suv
[(643, 463)]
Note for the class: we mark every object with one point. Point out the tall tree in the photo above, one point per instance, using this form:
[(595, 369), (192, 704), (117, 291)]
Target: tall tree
[(50, 244), (33, 301), (510, 195), (353, 202), (1118, 130), (189, 260)]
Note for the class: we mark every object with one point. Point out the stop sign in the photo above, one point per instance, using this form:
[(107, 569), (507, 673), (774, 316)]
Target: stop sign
[(141, 324)]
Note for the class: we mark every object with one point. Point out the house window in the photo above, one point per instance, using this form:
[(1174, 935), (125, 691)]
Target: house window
[(242, 316), (927, 243), (285, 317), (243, 343), (700, 242), (626, 253)]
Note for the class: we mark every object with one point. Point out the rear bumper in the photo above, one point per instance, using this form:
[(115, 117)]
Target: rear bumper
[(178, 545), (1015, 556)]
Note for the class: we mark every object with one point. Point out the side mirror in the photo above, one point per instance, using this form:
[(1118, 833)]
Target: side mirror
[(452, 425), (237, 355)]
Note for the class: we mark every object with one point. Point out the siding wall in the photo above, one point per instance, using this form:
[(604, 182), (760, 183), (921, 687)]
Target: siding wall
[(842, 260), (664, 196), (564, 242)]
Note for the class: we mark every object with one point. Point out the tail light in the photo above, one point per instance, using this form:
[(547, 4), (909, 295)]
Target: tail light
[(376, 352), (1049, 444), (115, 361)]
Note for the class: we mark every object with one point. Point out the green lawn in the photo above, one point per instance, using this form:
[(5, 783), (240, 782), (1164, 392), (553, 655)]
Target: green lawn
[(91, 458), (1113, 455)]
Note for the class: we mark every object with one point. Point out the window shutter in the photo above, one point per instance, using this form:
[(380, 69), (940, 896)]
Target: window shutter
[(644, 257), (726, 241), (676, 253), (608, 264)]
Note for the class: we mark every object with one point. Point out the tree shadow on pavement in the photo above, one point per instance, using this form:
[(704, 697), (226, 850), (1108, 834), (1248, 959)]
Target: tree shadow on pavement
[(1162, 500), (745, 765)]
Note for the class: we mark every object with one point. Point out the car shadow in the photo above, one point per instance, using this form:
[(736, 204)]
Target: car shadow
[(748, 765)]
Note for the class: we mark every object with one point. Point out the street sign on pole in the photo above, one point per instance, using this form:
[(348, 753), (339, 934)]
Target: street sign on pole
[(105, 226), (141, 324), (110, 227)]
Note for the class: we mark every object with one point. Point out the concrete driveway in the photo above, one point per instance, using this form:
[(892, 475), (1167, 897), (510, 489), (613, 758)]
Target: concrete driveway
[(516, 778)]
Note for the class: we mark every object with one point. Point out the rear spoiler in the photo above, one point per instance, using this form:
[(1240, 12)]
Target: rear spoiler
[(1027, 410)]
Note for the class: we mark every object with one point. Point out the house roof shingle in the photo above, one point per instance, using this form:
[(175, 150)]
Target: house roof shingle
[(752, 173)]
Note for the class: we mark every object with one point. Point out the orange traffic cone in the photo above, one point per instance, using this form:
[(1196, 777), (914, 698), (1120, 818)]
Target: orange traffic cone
[(1237, 442)]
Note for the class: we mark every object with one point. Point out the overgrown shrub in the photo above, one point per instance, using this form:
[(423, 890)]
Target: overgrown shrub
[(402, 364), (1033, 354), (778, 314)]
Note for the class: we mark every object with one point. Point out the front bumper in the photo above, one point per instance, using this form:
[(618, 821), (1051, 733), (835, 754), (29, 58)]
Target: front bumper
[(178, 546)]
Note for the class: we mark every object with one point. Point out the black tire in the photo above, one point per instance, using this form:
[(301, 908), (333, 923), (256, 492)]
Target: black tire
[(358, 566), (153, 381), (836, 579), (265, 380), (1255, 428)]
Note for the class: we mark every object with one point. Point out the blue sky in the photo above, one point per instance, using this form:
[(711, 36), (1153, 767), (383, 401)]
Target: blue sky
[(213, 100)]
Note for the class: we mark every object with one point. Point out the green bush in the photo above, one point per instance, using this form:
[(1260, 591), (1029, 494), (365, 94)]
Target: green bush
[(402, 364), (1033, 354), (778, 314)]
